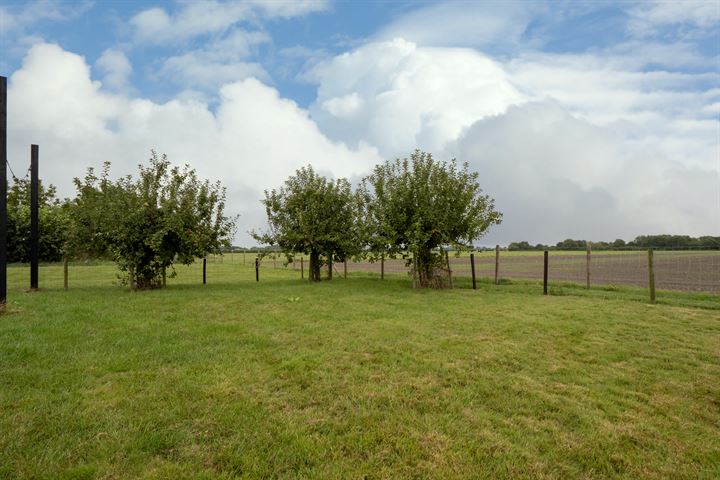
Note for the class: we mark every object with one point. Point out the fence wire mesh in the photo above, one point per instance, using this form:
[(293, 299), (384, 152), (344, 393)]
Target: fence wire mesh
[(686, 271), (681, 271)]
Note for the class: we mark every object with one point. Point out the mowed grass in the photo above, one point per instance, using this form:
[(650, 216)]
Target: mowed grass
[(356, 378)]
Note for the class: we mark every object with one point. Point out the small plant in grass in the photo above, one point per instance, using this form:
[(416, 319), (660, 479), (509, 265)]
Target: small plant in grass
[(165, 216)]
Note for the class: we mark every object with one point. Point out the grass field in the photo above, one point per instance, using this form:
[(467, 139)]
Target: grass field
[(352, 378)]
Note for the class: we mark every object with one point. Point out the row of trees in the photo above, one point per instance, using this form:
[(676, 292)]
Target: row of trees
[(640, 242), (408, 207), (165, 216)]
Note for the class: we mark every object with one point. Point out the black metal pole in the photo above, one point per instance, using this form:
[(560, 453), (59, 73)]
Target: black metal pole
[(204, 270), (472, 268), (545, 273), (34, 217), (257, 270), (3, 190)]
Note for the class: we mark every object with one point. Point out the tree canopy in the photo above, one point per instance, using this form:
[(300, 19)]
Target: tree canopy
[(313, 215), (54, 222), (415, 205), (167, 215)]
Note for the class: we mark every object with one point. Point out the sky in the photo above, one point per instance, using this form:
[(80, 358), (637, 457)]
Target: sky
[(585, 119)]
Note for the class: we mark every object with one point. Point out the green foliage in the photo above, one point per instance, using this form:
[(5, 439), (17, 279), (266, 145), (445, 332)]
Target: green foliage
[(524, 246), (419, 204), (54, 222), (313, 215), (167, 215)]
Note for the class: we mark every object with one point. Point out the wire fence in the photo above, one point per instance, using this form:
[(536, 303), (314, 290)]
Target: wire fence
[(685, 271), (627, 272)]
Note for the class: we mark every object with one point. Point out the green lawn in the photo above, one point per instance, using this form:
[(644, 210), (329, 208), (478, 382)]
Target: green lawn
[(352, 378)]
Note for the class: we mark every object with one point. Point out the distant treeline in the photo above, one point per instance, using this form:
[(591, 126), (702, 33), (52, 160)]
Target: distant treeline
[(658, 242)]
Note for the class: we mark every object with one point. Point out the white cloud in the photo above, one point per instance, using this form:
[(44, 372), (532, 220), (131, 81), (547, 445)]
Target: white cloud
[(556, 176), (218, 62), (587, 145), (156, 26), (398, 96), (17, 18), (462, 23), (195, 70), (647, 18), (116, 68), (663, 108), (254, 140)]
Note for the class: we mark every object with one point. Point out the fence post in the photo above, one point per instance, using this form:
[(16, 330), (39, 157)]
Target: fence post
[(257, 269), (302, 268), (164, 278), (345, 269), (447, 260), (382, 267), (472, 269), (204, 270), (274, 264), (65, 273), (330, 267), (651, 276), (497, 263), (34, 217), (589, 251), (545, 273), (415, 282), (3, 191)]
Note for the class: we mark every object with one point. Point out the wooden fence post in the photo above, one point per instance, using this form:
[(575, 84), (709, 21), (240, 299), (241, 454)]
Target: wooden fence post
[(302, 268), (65, 273), (164, 278), (330, 267), (651, 276), (497, 263), (545, 273), (382, 267), (447, 260), (472, 269), (204, 270), (589, 251), (257, 269), (345, 269)]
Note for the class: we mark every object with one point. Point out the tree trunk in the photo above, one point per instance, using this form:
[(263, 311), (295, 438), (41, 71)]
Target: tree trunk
[(314, 266), (424, 267)]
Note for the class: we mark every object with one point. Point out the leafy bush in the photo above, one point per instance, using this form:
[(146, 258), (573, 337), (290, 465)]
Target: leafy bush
[(167, 215)]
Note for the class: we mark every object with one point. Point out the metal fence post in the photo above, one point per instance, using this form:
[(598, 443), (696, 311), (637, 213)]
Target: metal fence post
[(204, 270), (651, 276), (545, 273), (472, 269), (497, 263), (34, 217), (589, 249)]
